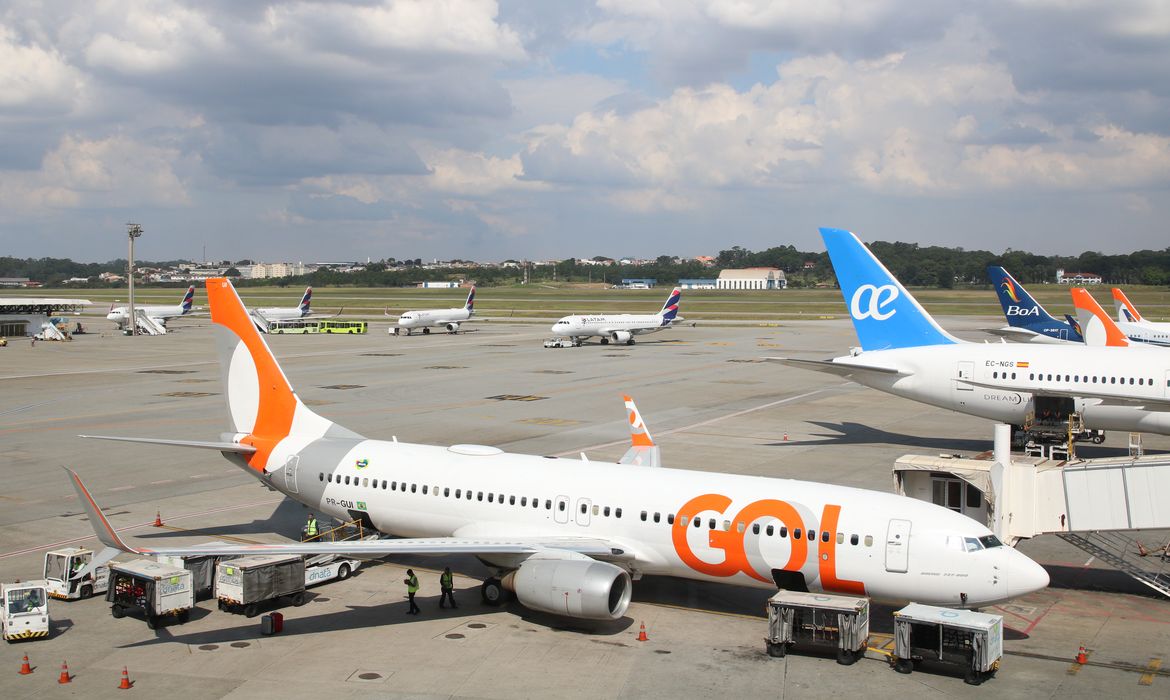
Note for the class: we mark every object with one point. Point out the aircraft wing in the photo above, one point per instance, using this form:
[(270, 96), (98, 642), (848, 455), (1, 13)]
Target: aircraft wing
[(1082, 391), (587, 546), (841, 369)]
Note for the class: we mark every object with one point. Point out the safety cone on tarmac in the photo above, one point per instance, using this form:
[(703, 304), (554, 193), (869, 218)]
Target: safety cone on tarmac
[(642, 633), (125, 684), (158, 518), (1082, 656), (64, 677), (25, 669), (785, 437)]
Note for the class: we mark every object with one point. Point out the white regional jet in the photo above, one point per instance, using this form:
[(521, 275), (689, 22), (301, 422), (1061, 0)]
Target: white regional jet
[(284, 313), (620, 328), (158, 314), (905, 353), (568, 536), (1135, 326), (437, 318)]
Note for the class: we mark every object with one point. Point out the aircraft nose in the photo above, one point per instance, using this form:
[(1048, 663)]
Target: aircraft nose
[(1025, 576)]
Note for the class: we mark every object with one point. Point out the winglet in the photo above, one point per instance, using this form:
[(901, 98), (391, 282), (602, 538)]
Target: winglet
[(1126, 311), (1096, 326), (105, 532), (643, 451)]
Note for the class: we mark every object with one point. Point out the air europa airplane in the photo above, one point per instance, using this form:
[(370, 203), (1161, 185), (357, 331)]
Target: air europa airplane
[(569, 536), (905, 353)]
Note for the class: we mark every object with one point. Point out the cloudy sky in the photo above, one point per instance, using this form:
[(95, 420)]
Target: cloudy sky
[(487, 130)]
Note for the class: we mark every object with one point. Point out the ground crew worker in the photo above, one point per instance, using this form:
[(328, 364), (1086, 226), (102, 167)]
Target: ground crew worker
[(311, 527), (411, 582), (447, 584)]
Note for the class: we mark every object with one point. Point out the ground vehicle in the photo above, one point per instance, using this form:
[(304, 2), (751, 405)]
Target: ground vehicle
[(560, 343), (331, 326), (295, 325), (3, 342), (60, 567), (25, 610), (327, 567), (159, 590), (243, 584), (202, 568)]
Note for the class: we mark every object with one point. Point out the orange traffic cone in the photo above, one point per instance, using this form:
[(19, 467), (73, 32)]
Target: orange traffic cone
[(65, 677), (642, 634), (125, 684), (158, 518), (25, 669), (785, 437), (1082, 657)]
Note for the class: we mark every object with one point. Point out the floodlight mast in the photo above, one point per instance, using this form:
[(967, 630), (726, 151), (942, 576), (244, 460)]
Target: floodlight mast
[(133, 231)]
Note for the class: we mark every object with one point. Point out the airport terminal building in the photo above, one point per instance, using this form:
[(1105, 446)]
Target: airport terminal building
[(752, 278)]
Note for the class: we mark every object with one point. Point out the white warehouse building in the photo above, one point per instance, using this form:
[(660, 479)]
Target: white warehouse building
[(752, 278)]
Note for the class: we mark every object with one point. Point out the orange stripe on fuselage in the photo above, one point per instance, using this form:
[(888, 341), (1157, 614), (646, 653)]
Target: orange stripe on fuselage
[(274, 414)]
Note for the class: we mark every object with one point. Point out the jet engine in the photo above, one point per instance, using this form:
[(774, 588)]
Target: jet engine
[(584, 588), (452, 327), (622, 337)]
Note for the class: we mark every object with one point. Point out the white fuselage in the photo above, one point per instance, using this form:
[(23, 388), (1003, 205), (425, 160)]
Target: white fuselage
[(606, 325), (282, 313), (889, 547), (430, 318), (1148, 332), (937, 374), (120, 314)]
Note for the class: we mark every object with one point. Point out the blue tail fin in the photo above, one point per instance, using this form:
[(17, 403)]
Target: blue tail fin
[(670, 308), (1018, 305), (884, 314), (470, 303), (306, 300), (188, 300)]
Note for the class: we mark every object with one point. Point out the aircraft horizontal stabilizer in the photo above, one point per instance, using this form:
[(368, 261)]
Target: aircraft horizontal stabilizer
[(201, 444), (842, 369)]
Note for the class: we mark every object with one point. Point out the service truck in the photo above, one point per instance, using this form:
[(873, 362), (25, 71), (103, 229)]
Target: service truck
[(245, 583), (61, 579), (26, 610), (157, 590)]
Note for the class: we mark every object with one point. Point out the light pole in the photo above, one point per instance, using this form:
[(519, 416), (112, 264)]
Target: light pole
[(132, 231)]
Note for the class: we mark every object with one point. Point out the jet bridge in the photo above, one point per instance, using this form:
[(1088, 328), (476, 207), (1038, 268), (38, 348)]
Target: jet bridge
[(1099, 505)]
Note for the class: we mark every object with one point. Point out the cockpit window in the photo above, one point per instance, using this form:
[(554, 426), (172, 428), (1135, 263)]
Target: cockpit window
[(971, 544), (990, 541)]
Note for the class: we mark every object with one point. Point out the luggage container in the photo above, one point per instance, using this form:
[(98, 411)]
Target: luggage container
[(818, 620), (157, 590), (243, 584), (61, 580), (26, 610), (202, 568), (963, 638)]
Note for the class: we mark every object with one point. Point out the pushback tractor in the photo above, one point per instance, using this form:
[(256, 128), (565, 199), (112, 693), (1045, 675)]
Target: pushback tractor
[(26, 611), (62, 579)]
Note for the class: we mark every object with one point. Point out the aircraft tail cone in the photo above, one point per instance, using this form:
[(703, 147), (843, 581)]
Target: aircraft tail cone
[(125, 684), (642, 633), (1082, 656), (25, 669), (64, 677)]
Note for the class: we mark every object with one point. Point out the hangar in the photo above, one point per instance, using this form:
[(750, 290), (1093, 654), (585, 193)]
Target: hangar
[(28, 316)]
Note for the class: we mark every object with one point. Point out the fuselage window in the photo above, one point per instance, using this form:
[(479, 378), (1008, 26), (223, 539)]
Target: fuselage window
[(458, 493), (561, 506), (347, 480), (710, 523), (769, 530), (479, 495), (606, 511), (446, 493), (869, 540), (491, 497), (784, 531), (1031, 376), (366, 482), (755, 528), (656, 518), (384, 484), (811, 534), (1013, 375), (796, 533), (617, 512), (424, 490), (1076, 378), (1131, 381), (321, 476), (329, 478), (698, 521), (584, 508), (995, 375), (825, 536), (524, 501), (500, 499), (739, 526), (670, 518), (1094, 380), (511, 500), (414, 488), (853, 539), (643, 516), (547, 504), (393, 485)]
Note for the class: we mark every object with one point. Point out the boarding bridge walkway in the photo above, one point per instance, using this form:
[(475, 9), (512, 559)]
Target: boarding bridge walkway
[(50, 332), (1124, 552), (262, 323)]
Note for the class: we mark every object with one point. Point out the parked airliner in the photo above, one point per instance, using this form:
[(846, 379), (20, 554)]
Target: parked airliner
[(1135, 326), (285, 313), (904, 352), (450, 319), (1028, 321), (158, 314), (568, 536), (620, 328)]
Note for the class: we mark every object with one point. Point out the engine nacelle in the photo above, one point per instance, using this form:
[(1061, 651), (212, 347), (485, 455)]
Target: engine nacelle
[(583, 588), (452, 327), (621, 336)]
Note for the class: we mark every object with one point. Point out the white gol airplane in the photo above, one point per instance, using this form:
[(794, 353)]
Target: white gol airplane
[(620, 328), (159, 314), (288, 314), (904, 352), (1135, 326), (437, 318), (568, 536)]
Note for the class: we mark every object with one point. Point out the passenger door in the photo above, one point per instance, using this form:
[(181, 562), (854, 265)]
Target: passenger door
[(898, 546), (561, 509), (290, 473), (583, 506), (966, 371)]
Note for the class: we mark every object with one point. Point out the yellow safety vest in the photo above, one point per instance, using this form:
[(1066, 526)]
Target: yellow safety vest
[(445, 581), (311, 527), (412, 584)]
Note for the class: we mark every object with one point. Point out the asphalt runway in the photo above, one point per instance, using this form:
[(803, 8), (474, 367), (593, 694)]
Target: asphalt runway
[(707, 397)]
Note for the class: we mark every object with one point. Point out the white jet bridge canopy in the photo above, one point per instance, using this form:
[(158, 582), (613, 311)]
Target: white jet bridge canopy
[(41, 306)]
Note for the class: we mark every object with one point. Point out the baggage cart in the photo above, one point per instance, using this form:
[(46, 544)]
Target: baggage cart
[(25, 611), (202, 568), (157, 590), (965, 638), (61, 574), (818, 620), (243, 585)]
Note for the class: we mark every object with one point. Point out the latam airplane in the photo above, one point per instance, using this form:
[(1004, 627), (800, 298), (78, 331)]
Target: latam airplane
[(436, 318), (568, 536), (1135, 326), (158, 314), (906, 353), (620, 328), (1028, 322), (285, 313)]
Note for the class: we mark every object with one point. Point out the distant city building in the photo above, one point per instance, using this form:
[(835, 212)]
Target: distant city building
[(639, 283), (706, 260), (698, 284), (280, 269), (1078, 278), (810, 264), (752, 278), (441, 284)]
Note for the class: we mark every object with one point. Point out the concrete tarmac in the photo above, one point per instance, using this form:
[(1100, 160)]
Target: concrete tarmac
[(708, 399)]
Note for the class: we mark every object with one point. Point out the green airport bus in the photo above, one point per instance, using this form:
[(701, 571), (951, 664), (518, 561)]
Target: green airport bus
[(331, 326), (293, 326)]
